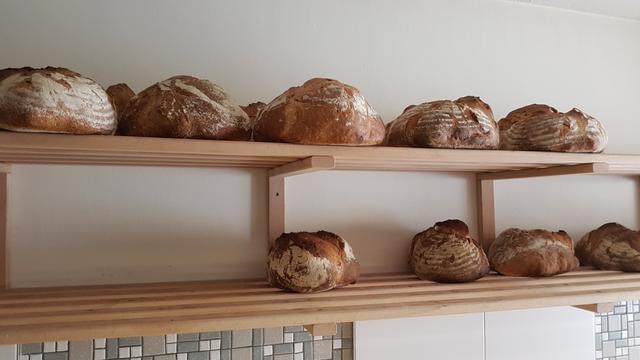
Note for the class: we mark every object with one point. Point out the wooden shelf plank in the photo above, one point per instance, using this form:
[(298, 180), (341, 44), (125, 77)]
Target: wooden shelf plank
[(47, 314), (123, 150)]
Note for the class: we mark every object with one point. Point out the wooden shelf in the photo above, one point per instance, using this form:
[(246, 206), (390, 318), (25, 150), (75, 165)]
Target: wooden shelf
[(123, 150), (46, 314)]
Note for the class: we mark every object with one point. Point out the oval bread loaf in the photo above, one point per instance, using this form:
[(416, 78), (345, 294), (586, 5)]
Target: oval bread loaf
[(53, 100), (610, 247), (517, 252), (307, 262), (321, 112), (543, 128), (185, 107), (465, 123), (446, 253)]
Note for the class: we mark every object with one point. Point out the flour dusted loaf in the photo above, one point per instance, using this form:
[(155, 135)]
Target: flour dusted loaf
[(465, 123), (322, 112), (610, 247), (446, 253), (185, 107), (517, 252), (543, 128), (53, 100), (308, 262), (120, 94)]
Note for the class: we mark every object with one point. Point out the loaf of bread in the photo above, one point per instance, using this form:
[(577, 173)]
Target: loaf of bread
[(308, 262), (322, 112), (120, 94), (447, 253), (53, 100), (543, 128), (610, 247), (253, 110), (466, 123), (532, 253), (185, 107)]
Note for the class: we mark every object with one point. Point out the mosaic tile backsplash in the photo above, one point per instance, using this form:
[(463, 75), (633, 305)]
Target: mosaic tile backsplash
[(281, 343), (618, 332)]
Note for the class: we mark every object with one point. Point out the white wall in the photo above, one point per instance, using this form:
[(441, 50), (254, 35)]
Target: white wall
[(71, 225)]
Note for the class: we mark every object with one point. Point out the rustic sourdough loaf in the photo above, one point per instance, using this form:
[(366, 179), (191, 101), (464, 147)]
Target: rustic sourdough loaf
[(120, 94), (323, 112), (185, 107), (308, 262), (610, 247), (54, 100), (532, 253), (543, 128), (446, 253), (465, 123)]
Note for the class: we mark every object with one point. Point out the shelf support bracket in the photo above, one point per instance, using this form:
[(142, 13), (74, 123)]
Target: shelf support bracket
[(5, 169), (590, 168), (596, 308), (277, 178), (328, 329), (485, 212)]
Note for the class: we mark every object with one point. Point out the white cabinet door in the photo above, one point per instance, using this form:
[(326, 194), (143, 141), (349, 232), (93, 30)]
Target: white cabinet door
[(454, 337), (561, 333)]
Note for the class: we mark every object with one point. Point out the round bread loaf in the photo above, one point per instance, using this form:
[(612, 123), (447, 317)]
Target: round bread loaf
[(322, 112), (543, 128), (185, 107), (308, 262), (610, 247), (446, 253), (466, 123), (532, 253), (120, 94), (53, 100)]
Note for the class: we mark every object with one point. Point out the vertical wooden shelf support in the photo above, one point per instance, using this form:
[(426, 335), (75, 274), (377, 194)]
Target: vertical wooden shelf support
[(329, 329), (597, 308), (486, 212), (277, 178), (4, 260)]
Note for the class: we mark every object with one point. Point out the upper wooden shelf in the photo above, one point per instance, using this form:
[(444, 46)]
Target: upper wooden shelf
[(87, 312), (123, 150)]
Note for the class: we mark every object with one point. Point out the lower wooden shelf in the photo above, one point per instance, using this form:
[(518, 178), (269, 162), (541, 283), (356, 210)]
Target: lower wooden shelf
[(75, 313)]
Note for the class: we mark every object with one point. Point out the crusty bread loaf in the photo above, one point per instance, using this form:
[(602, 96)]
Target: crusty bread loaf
[(532, 253), (447, 253), (323, 112), (120, 94), (253, 110), (185, 107), (54, 100), (610, 247), (465, 123), (308, 262), (543, 128)]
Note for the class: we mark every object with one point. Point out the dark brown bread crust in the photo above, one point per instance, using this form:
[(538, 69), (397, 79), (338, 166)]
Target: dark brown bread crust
[(446, 253), (120, 94), (539, 127), (465, 123), (532, 253), (308, 262), (610, 247), (321, 112), (185, 107), (54, 100), (253, 110)]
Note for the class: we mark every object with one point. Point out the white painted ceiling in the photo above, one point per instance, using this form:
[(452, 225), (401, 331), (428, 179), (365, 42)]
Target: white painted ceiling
[(619, 8)]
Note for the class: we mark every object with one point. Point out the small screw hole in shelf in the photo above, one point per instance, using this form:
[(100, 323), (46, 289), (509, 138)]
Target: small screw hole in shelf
[(277, 194)]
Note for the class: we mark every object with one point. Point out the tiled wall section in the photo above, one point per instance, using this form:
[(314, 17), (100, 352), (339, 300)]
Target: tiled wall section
[(618, 332), (282, 343)]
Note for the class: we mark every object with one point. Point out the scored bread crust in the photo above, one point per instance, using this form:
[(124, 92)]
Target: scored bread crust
[(542, 128), (54, 100), (320, 112), (610, 247), (307, 262), (447, 253), (465, 123)]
